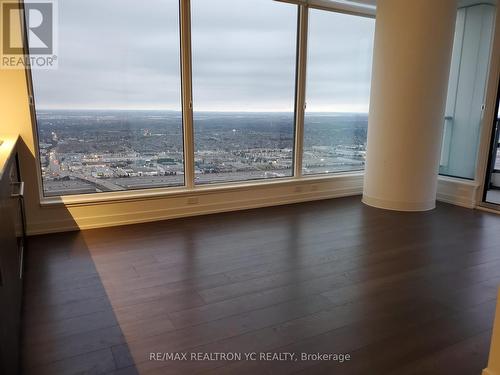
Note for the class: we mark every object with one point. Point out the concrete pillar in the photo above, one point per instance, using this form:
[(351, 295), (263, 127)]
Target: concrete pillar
[(412, 56)]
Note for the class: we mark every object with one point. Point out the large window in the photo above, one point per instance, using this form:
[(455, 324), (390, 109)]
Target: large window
[(338, 92), (109, 117), (243, 89)]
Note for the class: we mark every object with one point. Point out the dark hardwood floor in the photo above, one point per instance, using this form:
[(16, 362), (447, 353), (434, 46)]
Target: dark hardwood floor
[(401, 293)]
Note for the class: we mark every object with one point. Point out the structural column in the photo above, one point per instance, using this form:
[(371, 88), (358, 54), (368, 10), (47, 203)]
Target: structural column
[(412, 56)]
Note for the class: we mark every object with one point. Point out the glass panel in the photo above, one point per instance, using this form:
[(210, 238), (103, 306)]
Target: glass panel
[(497, 144), (109, 117), (493, 180), (467, 90), (338, 92), (244, 89)]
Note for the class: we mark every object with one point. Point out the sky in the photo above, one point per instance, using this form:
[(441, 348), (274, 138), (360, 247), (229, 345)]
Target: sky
[(120, 54)]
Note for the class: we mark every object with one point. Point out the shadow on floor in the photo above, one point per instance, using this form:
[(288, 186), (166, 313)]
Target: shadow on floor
[(69, 324)]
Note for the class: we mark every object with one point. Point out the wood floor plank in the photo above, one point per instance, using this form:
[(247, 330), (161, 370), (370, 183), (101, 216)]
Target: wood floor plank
[(98, 362), (66, 347), (399, 350), (384, 310), (470, 353), (401, 292)]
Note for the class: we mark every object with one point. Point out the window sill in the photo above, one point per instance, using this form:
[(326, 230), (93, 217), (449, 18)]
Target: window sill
[(147, 194), (175, 192), (122, 208)]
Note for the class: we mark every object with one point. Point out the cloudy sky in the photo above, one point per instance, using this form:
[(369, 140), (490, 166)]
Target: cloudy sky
[(123, 54)]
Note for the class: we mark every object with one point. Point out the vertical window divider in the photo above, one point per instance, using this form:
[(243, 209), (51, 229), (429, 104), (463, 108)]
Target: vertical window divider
[(300, 95), (187, 92)]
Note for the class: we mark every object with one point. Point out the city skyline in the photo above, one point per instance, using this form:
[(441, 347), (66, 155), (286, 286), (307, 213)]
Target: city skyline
[(40, 108), (105, 150)]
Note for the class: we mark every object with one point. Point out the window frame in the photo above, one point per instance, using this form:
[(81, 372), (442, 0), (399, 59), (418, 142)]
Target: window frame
[(296, 156), (190, 188), (304, 104)]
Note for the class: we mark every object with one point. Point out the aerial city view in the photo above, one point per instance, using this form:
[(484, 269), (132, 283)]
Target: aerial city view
[(88, 151), (112, 120)]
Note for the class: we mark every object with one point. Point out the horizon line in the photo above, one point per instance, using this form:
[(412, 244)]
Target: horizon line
[(179, 111)]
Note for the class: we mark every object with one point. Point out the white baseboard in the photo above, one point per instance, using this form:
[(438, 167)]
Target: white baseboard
[(458, 192), (62, 218), (69, 217), (399, 206)]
